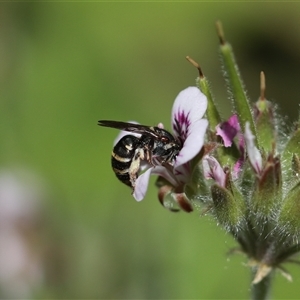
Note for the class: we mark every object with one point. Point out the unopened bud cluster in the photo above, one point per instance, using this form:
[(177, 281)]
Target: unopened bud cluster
[(248, 174)]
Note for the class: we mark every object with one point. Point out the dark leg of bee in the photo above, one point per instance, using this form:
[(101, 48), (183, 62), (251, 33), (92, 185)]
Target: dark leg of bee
[(147, 146)]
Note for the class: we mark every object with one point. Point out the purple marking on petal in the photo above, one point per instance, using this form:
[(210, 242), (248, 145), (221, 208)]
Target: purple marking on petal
[(237, 168), (181, 124), (212, 169), (241, 143), (228, 130)]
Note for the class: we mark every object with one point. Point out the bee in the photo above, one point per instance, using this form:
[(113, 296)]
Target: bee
[(154, 146)]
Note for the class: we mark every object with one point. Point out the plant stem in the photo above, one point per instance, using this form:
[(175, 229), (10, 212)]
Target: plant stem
[(261, 290)]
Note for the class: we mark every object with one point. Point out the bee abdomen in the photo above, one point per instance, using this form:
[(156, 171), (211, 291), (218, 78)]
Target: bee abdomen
[(125, 178), (122, 156)]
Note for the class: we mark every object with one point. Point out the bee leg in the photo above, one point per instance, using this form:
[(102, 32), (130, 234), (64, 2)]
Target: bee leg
[(135, 166), (148, 158), (168, 166)]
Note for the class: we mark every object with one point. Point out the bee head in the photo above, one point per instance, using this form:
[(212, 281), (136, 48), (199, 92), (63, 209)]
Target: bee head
[(166, 147)]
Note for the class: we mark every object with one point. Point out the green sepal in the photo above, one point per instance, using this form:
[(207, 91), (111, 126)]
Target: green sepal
[(228, 156), (165, 191), (168, 202), (212, 112), (170, 198), (291, 150), (295, 166), (230, 186), (265, 125), (289, 217), (287, 253), (197, 190), (268, 189), (229, 206), (236, 87)]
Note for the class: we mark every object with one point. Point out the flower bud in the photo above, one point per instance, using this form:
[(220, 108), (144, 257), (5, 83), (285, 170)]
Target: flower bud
[(289, 159), (229, 205), (289, 218), (267, 193), (170, 199), (264, 120)]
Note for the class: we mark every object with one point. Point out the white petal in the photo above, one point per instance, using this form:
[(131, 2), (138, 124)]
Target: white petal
[(212, 169), (163, 172), (253, 153), (183, 173), (193, 143), (141, 185), (189, 106)]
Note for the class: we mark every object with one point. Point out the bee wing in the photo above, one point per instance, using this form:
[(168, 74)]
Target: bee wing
[(130, 127)]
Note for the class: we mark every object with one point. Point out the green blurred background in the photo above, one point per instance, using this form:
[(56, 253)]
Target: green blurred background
[(64, 66)]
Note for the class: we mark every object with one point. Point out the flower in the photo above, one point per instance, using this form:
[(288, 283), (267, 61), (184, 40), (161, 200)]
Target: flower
[(228, 130), (213, 170), (21, 259), (254, 155), (189, 128)]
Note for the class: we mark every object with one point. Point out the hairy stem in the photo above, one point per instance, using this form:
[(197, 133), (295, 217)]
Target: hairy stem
[(261, 290)]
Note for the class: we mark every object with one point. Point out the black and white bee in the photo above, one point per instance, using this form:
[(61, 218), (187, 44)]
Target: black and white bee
[(155, 146)]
